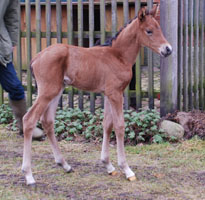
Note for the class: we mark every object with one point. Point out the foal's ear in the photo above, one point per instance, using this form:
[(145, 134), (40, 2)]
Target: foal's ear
[(142, 14), (154, 11)]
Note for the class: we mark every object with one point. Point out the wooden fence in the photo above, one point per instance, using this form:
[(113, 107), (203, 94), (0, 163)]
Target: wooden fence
[(190, 50), (191, 73)]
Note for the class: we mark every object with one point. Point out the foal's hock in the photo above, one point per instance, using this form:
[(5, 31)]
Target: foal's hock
[(106, 69)]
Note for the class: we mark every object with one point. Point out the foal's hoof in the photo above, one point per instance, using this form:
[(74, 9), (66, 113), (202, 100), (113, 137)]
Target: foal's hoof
[(66, 167), (132, 178), (32, 185), (69, 170), (113, 173)]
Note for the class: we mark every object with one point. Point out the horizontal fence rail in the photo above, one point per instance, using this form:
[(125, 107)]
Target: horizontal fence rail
[(83, 23)]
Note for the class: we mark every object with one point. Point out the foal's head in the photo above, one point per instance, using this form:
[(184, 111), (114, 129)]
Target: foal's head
[(150, 33)]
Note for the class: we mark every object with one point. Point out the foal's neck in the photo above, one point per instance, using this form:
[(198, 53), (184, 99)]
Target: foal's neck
[(127, 43)]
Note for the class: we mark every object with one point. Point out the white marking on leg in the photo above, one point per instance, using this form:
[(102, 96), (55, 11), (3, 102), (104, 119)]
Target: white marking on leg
[(107, 129), (119, 127), (122, 159), (105, 155)]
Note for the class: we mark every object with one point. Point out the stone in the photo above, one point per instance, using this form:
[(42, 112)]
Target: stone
[(37, 134), (172, 129)]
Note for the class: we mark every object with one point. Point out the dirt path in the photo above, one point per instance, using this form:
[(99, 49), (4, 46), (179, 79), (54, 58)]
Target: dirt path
[(163, 172)]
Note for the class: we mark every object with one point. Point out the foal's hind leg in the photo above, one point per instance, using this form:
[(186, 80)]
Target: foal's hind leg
[(47, 121), (116, 102), (107, 129), (29, 123)]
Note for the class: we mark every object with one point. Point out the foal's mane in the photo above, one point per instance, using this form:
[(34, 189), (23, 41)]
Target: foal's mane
[(108, 42)]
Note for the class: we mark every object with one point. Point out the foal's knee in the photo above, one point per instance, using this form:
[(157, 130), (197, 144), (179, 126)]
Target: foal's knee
[(47, 124), (107, 126), (119, 130)]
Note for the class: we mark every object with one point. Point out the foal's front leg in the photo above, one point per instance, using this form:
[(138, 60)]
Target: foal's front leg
[(107, 129), (116, 101)]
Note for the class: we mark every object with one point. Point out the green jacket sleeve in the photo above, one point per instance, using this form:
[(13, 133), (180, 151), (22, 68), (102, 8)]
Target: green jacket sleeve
[(11, 19)]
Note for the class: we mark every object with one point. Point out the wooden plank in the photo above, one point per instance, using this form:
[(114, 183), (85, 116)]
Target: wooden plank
[(190, 63), (91, 43), (28, 49), (59, 21), (19, 55), (97, 34), (114, 17), (102, 33), (126, 11), (150, 69), (80, 23), (137, 6), (196, 55), (1, 96), (59, 33), (126, 19), (185, 57), (180, 54), (168, 75), (102, 21), (80, 43), (70, 21), (70, 41), (48, 22), (204, 60), (38, 26), (138, 69), (91, 23), (201, 55)]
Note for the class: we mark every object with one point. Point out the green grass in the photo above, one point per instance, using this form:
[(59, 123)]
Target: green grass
[(164, 171)]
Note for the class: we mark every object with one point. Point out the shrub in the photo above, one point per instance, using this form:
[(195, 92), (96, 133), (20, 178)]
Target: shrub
[(139, 127), (6, 115)]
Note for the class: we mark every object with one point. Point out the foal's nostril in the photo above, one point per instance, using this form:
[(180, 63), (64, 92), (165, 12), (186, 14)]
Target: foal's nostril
[(169, 51)]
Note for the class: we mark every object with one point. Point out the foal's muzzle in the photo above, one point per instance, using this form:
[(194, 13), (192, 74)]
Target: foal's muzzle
[(165, 50)]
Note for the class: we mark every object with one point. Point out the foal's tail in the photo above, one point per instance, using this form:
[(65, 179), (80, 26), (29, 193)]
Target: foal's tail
[(31, 69), (31, 63)]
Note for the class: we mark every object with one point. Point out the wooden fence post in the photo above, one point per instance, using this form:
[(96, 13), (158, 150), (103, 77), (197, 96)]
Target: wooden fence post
[(80, 43), (126, 19), (138, 87), (168, 66), (150, 69), (28, 48)]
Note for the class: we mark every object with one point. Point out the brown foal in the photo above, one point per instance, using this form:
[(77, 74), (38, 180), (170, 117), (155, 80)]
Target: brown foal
[(106, 69)]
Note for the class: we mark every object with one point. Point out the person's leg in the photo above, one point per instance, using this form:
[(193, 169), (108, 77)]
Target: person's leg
[(11, 84)]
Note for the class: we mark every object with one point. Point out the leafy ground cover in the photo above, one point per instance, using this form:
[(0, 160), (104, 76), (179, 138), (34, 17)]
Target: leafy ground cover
[(77, 125), (164, 171)]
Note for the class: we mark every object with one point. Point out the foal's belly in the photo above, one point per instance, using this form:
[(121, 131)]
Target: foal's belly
[(91, 84)]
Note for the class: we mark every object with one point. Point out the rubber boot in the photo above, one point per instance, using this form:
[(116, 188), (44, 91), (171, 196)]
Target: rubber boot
[(19, 110)]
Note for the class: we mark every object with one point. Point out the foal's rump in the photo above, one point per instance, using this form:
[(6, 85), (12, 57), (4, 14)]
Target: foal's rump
[(48, 65)]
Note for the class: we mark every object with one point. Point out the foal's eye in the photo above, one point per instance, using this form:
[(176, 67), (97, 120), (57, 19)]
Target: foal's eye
[(149, 32)]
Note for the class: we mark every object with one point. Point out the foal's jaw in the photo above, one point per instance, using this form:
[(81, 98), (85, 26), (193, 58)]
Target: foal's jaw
[(165, 50)]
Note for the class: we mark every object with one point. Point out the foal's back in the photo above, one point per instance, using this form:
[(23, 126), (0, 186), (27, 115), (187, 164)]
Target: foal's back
[(91, 69)]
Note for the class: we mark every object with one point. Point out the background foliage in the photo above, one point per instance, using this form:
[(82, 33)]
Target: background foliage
[(74, 124)]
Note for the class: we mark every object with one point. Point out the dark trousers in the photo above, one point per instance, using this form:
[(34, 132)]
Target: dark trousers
[(10, 82)]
